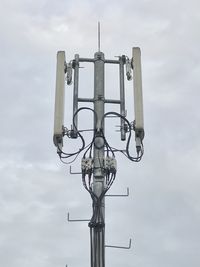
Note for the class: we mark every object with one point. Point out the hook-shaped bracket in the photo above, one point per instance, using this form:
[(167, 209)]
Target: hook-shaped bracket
[(121, 247), (71, 172), (122, 195), (76, 220)]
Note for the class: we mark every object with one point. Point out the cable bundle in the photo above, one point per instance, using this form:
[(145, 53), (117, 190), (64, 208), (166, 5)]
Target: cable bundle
[(108, 167)]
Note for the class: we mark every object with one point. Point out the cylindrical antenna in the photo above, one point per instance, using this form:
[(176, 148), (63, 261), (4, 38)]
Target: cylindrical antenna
[(99, 37)]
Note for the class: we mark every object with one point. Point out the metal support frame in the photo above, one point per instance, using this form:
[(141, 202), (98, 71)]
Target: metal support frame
[(98, 236), (99, 57), (122, 96), (75, 97), (98, 172)]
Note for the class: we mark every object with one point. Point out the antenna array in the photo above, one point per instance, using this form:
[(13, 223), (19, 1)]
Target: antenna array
[(98, 164)]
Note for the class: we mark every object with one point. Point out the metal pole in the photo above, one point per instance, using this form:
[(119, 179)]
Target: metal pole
[(98, 235), (75, 96), (122, 97)]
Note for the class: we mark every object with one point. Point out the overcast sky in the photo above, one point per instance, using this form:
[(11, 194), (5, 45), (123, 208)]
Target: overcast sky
[(162, 214)]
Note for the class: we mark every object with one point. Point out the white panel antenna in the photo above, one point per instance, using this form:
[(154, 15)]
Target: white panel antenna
[(138, 99), (59, 99)]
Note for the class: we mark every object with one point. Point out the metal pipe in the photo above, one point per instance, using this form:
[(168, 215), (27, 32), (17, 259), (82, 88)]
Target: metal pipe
[(98, 238), (75, 97), (81, 59), (111, 61), (128, 247), (110, 101), (76, 220), (122, 97), (80, 99)]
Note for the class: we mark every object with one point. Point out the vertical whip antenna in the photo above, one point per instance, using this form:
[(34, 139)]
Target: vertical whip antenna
[(99, 37)]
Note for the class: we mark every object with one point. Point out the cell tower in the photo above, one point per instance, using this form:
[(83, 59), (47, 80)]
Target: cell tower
[(98, 164)]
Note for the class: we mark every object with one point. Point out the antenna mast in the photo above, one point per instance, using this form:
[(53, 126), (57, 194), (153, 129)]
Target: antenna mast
[(99, 36), (98, 169)]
